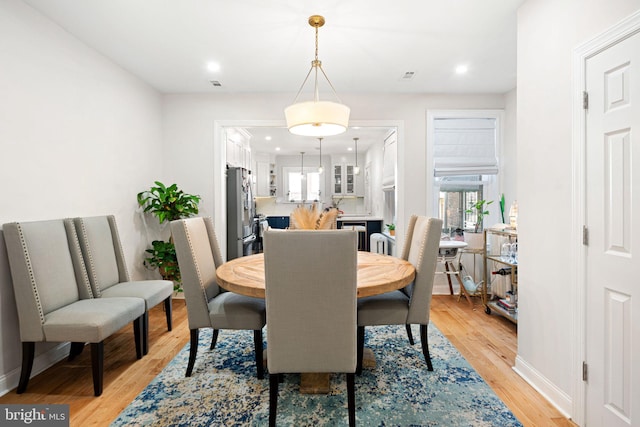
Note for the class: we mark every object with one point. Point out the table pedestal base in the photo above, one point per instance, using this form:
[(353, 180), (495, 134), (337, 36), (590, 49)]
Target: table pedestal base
[(314, 383), (318, 383)]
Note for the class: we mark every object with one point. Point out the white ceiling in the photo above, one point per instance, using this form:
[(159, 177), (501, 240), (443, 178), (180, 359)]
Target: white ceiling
[(267, 46), (293, 144)]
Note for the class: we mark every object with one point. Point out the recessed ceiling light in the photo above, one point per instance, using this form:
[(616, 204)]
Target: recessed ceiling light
[(349, 149), (268, 138), (214, 67), (277, 148), (461, 69)]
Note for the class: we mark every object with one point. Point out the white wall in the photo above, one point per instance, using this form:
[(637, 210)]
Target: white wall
[(548, 31), (374, 159), (189, 135), (508, 166), (79, 136)]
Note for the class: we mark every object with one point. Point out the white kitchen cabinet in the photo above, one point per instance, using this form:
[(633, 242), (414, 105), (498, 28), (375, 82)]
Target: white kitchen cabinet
[(238, 151), (345, 182), (262, 179)]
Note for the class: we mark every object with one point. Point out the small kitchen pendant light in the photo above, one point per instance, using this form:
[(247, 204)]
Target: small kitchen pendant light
[(302, 164), (320, 168), (356, 169), (317, 118)]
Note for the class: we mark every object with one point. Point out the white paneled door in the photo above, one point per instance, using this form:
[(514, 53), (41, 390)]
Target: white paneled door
[(613, 222)]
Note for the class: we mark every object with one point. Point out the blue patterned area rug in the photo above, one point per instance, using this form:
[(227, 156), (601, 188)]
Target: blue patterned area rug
[(224, 390)]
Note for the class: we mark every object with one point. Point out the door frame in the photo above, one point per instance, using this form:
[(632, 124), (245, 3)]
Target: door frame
[(613, 35), (220, 159)]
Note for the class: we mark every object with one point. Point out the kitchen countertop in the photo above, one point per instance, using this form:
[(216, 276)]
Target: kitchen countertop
[(358, 218)]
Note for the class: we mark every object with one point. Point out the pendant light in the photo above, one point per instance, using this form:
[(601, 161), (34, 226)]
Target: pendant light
[(320, 168), (356, 169), (317, 118), (302, 165)]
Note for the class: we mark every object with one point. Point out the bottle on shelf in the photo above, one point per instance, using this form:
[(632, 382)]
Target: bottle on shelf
[(503, 271)]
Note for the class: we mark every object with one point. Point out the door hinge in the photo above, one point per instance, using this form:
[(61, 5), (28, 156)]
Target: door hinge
[(585, 371), (585, 235), (585, 100)]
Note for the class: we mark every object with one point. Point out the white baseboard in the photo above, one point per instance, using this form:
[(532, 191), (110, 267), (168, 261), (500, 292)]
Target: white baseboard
[(558, 398), (10, 380)]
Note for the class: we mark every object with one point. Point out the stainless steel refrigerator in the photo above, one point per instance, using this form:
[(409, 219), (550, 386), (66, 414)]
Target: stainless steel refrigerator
[(240, 213)]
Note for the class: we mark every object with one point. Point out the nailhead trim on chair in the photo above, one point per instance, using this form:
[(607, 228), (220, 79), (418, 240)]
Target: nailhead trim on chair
[(32, 277), (92, 267), (78, 252), (115, 235), (191, 250)]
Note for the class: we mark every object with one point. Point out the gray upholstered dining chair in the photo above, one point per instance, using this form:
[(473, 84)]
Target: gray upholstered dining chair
[(412, 304), (311, 288), (108, 274), (208, 305), (54, 298)]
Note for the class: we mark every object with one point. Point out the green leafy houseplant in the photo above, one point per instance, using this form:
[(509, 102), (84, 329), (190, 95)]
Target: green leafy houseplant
[(392, 228), (162, 255), (167, 204), (479, 208)]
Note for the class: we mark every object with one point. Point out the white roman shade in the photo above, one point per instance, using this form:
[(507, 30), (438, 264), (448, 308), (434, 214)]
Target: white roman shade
[(465, 146)]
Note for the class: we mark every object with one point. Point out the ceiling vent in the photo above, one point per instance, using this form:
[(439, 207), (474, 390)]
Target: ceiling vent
[(408, 75), (216, 83)]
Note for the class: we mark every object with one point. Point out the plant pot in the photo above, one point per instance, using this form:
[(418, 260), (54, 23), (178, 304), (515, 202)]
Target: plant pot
[(474, 240), (392, 232)]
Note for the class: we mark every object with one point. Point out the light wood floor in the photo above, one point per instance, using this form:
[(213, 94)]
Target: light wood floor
[(487, 342)]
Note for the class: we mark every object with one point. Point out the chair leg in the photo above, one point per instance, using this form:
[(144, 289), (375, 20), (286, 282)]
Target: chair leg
[(214, 339), (97, 366), (351, 396), (75, 350), (409, 334), (257, 342), (145, 332), (28, 353), (273, 398), (168, 310), (139, 336), (360, 340), (193, 350), (446, 267), (425, 346)]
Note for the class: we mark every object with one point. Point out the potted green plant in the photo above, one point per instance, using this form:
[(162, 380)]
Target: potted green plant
[(162, 255), (167, 203), (480, 209), (392, 229)]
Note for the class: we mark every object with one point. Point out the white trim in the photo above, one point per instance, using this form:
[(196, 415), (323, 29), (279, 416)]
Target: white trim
[(558, 398), (10, 380), (617, 33)]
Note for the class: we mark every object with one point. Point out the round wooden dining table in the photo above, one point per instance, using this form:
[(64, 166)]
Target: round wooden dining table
[(377, 274)]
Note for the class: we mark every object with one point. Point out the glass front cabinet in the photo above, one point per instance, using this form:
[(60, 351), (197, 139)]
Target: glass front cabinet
[(344, 179)]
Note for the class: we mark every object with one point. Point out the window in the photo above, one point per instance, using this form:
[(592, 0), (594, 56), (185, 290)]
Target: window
[(302, 187), (456, 195), (465, 163)]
